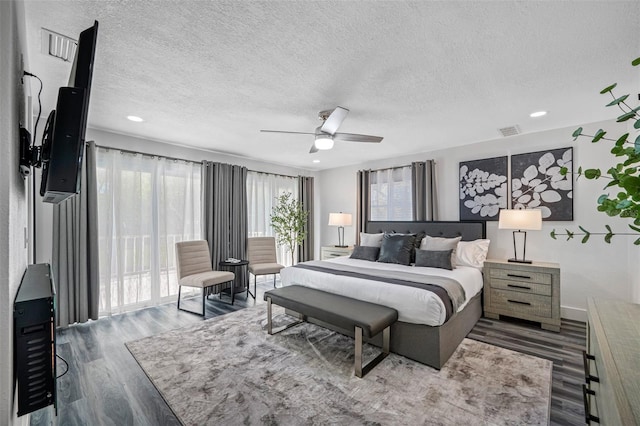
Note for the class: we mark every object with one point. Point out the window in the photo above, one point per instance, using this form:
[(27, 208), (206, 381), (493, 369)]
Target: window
[(390, 191), (145, 205), (262, 191)]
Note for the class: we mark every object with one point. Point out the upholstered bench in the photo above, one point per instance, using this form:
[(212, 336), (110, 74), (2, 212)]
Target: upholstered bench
[(340, 311)]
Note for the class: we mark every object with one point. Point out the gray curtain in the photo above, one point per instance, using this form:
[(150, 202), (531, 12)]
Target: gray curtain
[(364, 203), (305, 194), (423, 185), (224, 213), (74, 259)]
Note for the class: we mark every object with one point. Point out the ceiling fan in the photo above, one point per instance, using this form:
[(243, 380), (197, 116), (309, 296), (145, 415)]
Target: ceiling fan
[(327, 132)]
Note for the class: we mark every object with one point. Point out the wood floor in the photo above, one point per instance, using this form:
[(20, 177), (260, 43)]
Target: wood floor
[(105, 385)]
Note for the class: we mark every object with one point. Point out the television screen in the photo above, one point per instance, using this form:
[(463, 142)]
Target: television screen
[(64, 134)]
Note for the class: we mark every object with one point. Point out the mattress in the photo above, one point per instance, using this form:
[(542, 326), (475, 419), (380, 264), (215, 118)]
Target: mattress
[(414, 305)]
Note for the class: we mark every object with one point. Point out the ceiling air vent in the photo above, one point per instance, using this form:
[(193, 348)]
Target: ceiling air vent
[(58, 45), (510, 131)]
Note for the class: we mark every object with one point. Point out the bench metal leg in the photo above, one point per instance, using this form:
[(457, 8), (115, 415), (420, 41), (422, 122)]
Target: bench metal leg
[(302, 319), (361, 370)]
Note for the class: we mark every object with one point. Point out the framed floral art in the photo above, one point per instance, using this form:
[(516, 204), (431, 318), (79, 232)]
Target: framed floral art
[(483, 188)]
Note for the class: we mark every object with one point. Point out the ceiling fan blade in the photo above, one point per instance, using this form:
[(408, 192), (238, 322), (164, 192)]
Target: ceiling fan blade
[(313, 149), (283, 131), (334, 120), (352, 137)]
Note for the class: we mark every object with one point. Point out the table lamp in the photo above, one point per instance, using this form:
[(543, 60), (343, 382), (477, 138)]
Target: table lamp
[(340, 220), (520, 221)]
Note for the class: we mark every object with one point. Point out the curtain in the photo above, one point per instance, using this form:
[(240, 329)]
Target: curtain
[(263, 189), (74, 261), (224, 213), (363, 212), (305, 191), (423, 187), (146, 204)]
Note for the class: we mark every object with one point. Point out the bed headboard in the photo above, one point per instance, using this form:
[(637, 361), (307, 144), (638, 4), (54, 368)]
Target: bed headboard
[(469, 230)]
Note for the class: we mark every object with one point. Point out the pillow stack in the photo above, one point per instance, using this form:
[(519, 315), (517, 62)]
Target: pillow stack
[(424, 250)]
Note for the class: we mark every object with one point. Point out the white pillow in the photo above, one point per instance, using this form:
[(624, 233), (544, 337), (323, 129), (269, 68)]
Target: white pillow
[(439, 244), (472, 253), (371, 240)]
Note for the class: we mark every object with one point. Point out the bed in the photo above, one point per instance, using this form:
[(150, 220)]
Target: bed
[(425, 332)]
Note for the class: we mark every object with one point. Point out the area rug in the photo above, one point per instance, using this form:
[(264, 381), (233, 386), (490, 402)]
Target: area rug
[(228, 370)]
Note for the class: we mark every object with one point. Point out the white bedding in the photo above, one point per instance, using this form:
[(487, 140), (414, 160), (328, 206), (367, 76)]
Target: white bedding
[(414, 305)]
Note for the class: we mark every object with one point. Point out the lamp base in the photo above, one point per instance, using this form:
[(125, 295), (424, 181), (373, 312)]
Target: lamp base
[(341, 246), (518, 261)]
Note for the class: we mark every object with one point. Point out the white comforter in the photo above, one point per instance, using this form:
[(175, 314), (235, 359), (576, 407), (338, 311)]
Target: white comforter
[(414, 305)]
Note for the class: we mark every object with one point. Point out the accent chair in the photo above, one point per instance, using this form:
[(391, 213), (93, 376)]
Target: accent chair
[(261, 253), (193, 262)]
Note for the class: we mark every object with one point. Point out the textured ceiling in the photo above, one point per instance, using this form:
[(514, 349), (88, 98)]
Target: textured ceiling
[(425, 75)]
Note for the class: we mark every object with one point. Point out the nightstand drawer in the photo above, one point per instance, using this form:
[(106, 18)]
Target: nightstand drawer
[(329, 252), (523, 287), (527, 276), (520, 303)]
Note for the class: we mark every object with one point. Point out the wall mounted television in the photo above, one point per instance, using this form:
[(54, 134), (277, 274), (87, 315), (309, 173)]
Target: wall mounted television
[(64, 134)]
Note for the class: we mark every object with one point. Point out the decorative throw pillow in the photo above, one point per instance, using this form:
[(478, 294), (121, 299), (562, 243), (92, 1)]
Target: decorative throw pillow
[(397, 248), (365, 253), (472, 253), (371, 240), (434, 258), (439, 243)]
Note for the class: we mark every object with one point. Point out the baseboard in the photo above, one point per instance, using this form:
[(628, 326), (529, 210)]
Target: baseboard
[(575, 314)]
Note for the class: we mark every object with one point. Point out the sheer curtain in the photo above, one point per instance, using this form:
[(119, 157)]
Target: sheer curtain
[(262, 191), (391, 194), (145, 205)]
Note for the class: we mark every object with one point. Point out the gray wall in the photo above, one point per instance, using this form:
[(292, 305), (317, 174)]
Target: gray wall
[(595, 269), (13, 211)]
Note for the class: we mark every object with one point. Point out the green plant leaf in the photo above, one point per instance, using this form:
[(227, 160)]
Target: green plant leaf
[(563, 171), (635, 62), (637, 242), (626, 116), (602, 198), (635, 228), (608, 88), (585, 238), (553, 234), (569, 234), (624, 204), (636, 145), (636, 125), (599, 135), (608, 228), (607, 238), (577, 133), (618, 100), (592, 173), (622, 139)]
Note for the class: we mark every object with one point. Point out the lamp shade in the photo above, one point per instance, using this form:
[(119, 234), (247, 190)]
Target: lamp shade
[(528, 220), (339, 219)]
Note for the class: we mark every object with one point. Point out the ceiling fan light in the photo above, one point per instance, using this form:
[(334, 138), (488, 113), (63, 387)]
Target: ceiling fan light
[(324, 142)]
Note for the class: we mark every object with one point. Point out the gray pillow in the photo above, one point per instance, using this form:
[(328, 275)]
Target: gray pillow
[(439, 243), (434, 258), (397, 248), (365, 253), (371, 240)]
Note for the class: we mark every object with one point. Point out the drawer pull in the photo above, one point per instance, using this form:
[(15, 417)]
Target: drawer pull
[(519, 286), (587, 370), (588, 417), (518, 302), (519, 276)]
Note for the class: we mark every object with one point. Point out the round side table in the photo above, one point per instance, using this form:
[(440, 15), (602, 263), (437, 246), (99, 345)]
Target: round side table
[(238, 286)]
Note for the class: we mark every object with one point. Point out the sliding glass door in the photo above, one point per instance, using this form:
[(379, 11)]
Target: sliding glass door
[(145, 205)]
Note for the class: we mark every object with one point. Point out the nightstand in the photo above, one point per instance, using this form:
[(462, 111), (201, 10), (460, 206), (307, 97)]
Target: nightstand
[(525, 291), (330, 252)]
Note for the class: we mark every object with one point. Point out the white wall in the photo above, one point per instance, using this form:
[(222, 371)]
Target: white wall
[(594, 269), (104, 138), (13, 215)]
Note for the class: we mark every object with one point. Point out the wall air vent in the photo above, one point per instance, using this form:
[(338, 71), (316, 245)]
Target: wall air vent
[(510, 131), (58, 45)]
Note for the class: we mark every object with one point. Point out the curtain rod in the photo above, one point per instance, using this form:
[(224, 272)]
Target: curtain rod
[(395, 167), (181, 159)]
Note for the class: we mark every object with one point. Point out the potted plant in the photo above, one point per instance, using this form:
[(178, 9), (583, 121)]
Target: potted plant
[(289, 220), (623, 178)]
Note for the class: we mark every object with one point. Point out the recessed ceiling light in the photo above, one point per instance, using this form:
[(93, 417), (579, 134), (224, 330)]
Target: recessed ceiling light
[(537, 114), (134, 118), (316, 161)]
